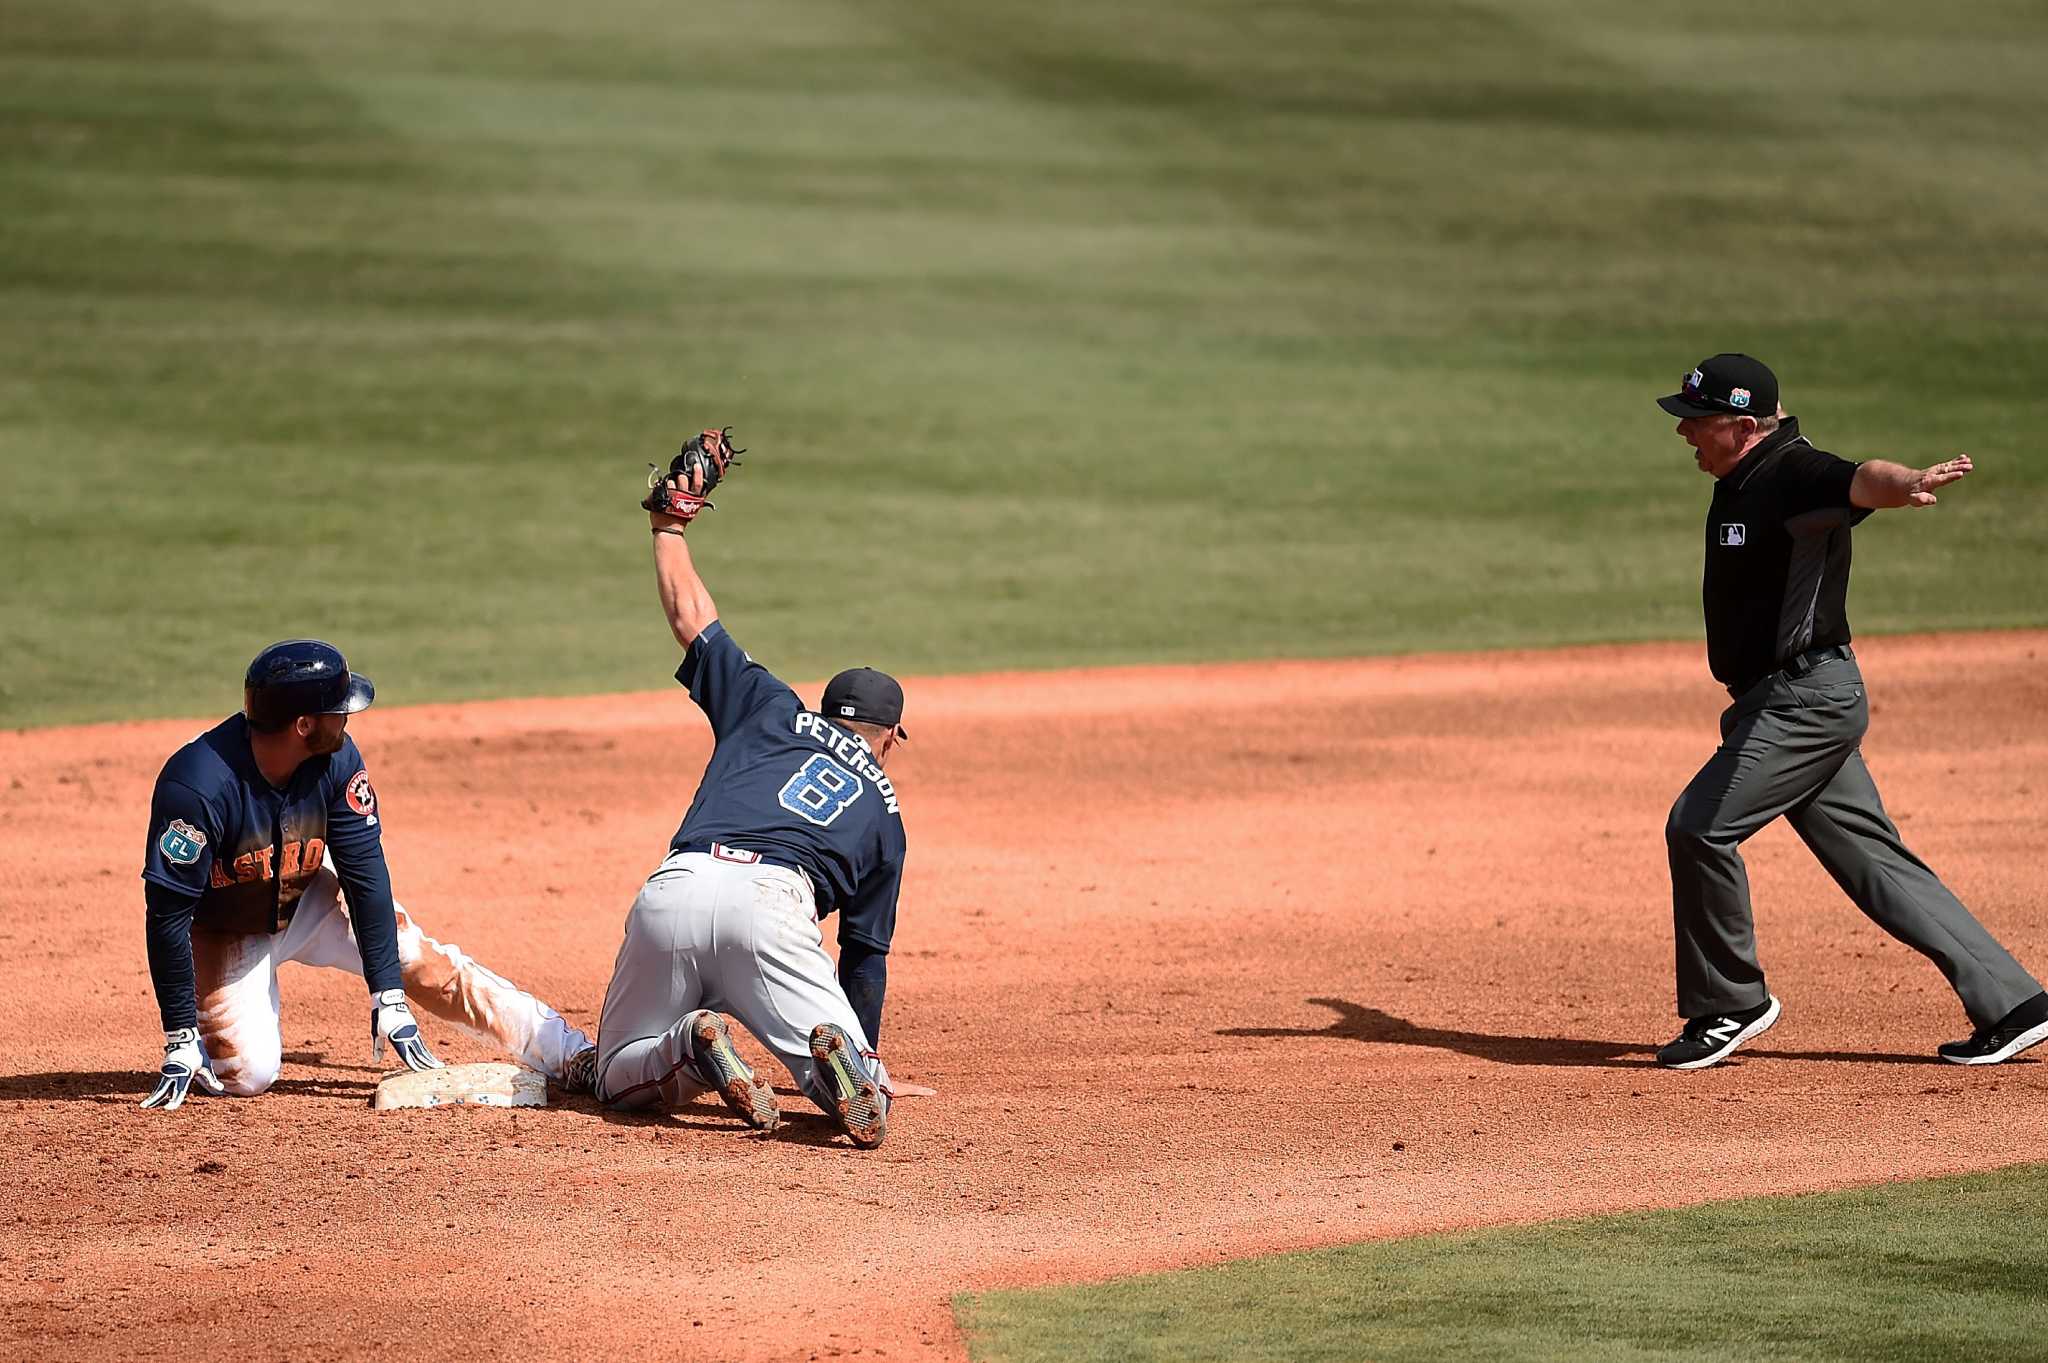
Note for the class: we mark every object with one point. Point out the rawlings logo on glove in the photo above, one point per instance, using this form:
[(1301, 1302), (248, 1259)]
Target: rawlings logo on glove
[(685, 489)]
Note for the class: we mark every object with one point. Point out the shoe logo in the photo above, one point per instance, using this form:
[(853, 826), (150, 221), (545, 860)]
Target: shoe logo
[(1723, 1029)]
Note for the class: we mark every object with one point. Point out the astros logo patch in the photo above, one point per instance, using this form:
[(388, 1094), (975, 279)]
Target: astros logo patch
[(181, 843), (361, 798)]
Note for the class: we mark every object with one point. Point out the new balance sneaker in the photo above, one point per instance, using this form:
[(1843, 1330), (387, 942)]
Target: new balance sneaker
[(1710, 1040), (2024, 1026), (857, 1098), (580, 1074), (712, 1055)]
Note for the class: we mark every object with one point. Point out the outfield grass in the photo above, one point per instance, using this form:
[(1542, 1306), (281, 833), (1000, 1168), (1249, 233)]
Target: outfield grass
[(1945, 1269), (1064, 332)]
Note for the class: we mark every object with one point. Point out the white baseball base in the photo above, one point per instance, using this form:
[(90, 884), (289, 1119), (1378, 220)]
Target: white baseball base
[(492, 1084)]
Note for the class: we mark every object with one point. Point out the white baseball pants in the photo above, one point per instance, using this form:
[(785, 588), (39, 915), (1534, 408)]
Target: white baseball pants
[(239, 1006), (727, 932)]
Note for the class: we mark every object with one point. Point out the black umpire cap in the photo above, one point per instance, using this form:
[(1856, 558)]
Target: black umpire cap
[(865, 695), (301, 677), (1726, 385)]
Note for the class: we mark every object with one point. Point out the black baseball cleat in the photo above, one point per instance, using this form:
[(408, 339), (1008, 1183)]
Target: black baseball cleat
[(2024, 1026), (857, 1100), (1710, 1040)]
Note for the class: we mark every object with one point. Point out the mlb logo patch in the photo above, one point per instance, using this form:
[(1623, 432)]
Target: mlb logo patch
[(1734, 536)]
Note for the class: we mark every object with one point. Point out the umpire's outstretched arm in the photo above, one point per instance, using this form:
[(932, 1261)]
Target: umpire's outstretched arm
[(1880, 484)]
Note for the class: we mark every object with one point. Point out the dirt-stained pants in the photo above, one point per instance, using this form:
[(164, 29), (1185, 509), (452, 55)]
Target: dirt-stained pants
[(239, 1006), (1790, 747), (724, 933)]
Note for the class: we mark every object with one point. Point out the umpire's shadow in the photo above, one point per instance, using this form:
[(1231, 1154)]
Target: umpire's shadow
[(1356, 1022)]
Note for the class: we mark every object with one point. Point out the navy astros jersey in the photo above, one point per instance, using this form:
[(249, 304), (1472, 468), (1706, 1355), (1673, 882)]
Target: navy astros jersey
[(1777, 571), (795, 788), (236, 853)]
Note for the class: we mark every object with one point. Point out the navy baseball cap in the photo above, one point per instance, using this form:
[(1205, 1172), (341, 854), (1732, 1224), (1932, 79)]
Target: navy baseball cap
[(302, 677), (1726, 385), (865, 695)]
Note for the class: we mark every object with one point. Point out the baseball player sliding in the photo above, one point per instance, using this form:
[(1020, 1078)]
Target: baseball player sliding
[(794, 819), (257, 829)]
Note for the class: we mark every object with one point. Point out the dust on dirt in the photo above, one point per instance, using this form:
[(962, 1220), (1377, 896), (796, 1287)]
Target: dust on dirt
[(1202, 961)]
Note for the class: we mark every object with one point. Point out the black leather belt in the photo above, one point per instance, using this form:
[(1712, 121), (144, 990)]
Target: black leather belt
[(1795, 668)]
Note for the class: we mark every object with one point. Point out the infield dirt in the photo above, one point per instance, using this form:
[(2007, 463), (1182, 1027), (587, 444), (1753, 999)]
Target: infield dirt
[(1203, 962)]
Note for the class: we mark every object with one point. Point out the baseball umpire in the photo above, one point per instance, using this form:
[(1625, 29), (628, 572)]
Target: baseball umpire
[(257, 829), (794, 819), (1775, 587)]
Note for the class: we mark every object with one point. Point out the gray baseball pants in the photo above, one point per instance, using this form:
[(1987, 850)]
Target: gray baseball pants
[(728, 934), (1790, 747)]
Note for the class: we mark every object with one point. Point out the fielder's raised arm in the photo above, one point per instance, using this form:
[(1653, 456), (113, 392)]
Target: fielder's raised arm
[(674, 499), (684, 597), (794, 820)]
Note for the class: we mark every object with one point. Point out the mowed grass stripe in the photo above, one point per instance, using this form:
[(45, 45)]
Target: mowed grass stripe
[(1943, 1269), (1062, 333)]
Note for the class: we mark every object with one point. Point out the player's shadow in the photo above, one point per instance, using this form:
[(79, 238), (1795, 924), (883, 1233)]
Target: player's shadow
[(1356, 1022), (699, 1116), (801, 1125), (115, 1087)]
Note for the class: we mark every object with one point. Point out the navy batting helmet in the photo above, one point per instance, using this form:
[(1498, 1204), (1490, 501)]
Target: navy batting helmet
[(301, 677)]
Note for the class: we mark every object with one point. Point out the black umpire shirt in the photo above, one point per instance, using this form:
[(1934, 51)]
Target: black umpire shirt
[(1777, 572)]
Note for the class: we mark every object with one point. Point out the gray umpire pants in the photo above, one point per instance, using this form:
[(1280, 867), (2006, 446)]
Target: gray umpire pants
[(1791, 747)]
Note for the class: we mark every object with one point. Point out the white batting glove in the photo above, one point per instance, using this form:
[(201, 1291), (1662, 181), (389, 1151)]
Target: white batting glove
[(391, 1020), (184, 1061)]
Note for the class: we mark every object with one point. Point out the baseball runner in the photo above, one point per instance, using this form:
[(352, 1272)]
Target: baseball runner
[(258, 830), (1775, 589), (794, 819)]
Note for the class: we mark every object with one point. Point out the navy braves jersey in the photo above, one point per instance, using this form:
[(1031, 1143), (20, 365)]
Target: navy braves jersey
[(238, 852), (791, 786), (1777, 572)]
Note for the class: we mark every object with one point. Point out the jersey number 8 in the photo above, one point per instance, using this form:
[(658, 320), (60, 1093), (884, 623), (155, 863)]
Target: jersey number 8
[(820, 791)]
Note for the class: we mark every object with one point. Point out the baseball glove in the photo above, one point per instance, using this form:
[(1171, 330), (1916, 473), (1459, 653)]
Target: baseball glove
[(685, 489)]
